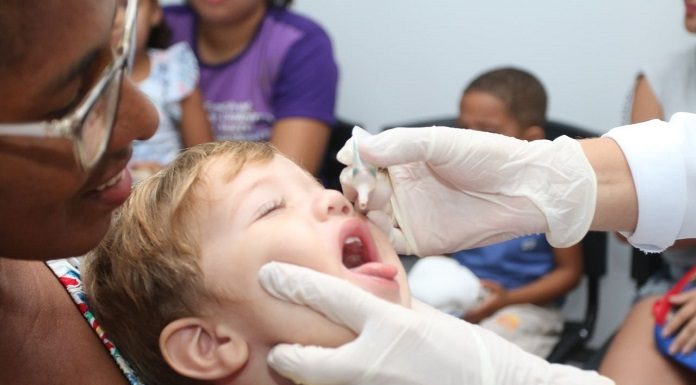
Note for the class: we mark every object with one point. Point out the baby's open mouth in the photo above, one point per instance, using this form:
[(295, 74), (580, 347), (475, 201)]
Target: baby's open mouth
[(354, 253), (359, 254)]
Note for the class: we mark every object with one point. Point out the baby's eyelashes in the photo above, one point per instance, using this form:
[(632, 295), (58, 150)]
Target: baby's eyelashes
[(269, 207)]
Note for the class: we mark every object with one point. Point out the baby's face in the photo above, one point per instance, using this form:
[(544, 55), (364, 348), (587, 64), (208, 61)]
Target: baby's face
[(277, 212)]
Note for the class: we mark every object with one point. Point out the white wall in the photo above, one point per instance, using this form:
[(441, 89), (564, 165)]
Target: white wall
[(407, 59)]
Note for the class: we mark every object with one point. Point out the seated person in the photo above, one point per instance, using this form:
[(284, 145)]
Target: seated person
[(175, 280), (525, 278), (663, 86)]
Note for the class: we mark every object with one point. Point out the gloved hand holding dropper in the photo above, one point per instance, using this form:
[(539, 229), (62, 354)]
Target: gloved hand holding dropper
[(450, 189)]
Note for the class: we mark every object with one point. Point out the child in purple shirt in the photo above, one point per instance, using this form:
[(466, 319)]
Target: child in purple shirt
[(267, 74)]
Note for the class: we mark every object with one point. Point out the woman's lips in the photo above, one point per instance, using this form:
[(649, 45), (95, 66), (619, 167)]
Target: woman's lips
[(115, 191)]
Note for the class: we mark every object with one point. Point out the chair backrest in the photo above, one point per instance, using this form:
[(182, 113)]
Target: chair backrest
[(594, 253)]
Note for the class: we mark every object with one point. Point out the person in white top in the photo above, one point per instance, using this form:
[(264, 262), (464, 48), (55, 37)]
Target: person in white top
[(663, 86), (638, 179)]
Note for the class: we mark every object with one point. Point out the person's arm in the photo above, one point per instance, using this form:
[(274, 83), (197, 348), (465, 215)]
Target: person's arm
[(558, 282), (302, 140), (443, 180), (645, 104), (645, 107), (195, 127), (662, 165), (616, 206)]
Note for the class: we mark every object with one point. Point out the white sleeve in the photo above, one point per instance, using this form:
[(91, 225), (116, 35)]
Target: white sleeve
[(662, 159)]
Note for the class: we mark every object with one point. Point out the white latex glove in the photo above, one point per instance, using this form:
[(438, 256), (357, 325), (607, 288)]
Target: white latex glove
[(456, 189), (397, 345)]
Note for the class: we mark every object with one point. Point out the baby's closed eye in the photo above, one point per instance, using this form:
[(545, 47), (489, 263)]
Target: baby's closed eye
[(269, 207)]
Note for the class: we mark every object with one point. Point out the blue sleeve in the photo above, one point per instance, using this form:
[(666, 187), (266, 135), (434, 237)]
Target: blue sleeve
[(306, 85)]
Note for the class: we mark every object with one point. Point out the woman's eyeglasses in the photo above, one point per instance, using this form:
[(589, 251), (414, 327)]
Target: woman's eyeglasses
[(89, 125)]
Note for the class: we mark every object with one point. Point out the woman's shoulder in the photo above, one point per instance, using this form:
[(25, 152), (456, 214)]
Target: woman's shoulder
[(43, 328), (67, 271)]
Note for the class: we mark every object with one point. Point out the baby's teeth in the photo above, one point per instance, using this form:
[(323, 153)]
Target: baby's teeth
[(352, 240)]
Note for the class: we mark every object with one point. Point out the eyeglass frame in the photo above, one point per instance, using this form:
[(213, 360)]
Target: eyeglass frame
[(71, 125)]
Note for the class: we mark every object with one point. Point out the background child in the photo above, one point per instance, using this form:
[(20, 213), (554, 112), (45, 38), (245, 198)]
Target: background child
[(267, 73), (175, 280), (169, 77), (524, 278)]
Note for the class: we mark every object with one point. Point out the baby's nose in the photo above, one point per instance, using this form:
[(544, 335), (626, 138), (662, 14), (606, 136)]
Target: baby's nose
[(332, 202)]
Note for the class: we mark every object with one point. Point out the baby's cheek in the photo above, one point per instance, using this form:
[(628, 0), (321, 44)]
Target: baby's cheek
[(291, 323)]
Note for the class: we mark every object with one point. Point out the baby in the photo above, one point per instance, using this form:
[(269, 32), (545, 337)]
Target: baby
[(175, 280)]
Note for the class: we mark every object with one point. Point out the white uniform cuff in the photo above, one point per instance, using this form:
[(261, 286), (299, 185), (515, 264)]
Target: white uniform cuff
[(654, 151)]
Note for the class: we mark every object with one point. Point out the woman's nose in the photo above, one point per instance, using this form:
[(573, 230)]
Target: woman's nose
[(136, 117), (330, 203)]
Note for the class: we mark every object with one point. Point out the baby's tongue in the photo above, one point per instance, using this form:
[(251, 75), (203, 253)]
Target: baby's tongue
[(376, 269)]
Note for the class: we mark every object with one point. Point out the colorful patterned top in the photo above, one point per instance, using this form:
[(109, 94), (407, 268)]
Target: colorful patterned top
[(68, 273), (173, 77)]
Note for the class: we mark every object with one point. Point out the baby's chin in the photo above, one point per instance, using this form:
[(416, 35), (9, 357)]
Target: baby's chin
[(389, 256)]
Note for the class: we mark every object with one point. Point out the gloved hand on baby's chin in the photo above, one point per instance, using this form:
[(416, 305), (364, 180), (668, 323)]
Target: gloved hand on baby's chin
[(397, 345)]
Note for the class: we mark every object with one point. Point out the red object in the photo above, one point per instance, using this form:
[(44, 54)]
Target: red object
[(662, 306)]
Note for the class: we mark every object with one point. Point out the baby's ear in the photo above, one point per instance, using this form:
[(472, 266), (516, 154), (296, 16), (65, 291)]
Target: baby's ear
[(201, 350)]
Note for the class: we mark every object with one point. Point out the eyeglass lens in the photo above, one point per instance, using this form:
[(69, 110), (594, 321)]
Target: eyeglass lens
[(99, 122)]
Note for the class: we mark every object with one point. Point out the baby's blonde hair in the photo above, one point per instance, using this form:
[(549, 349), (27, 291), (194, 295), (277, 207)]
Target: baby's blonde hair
[(145, 273)]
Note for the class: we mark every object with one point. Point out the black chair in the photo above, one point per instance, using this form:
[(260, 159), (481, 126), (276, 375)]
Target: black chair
[(330, 167), (643, 265), (572, 346)]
